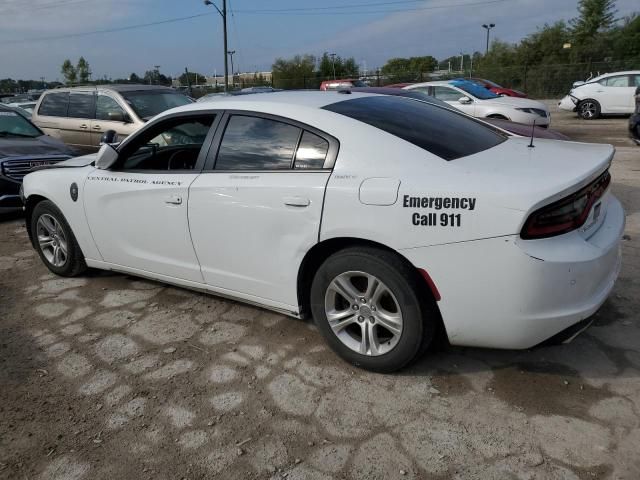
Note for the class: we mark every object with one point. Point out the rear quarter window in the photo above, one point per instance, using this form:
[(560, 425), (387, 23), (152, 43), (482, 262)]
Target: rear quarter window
[(440, 131), (54, 104)]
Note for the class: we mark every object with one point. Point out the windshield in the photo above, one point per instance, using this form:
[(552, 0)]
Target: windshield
[(475, 90), (149, 103), (438, 130), (12, 124)]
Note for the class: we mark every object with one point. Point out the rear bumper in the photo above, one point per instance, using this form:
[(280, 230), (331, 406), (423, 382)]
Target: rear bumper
[(511, 293)]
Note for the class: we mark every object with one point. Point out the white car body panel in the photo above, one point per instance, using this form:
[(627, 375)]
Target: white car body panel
[(612, 99), (251, 230), (245, 234)]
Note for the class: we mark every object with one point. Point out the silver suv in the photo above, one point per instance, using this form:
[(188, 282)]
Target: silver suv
[(80, 115)]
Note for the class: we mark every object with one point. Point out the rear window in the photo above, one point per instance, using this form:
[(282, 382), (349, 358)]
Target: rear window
[(54, 104), (149, 103), (438, 130)]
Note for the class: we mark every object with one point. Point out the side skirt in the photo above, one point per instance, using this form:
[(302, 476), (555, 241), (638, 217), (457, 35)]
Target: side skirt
[(260, 302)]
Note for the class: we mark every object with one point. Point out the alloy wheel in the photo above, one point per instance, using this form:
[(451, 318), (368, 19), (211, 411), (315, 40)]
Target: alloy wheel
[(588, 110), (363, 313), (52, 240)]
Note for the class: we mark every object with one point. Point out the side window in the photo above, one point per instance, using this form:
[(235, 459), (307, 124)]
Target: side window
[(635, 80), (446, 94), (108, 109), (311, 152), (81, 105), (54, 104), (171, 145), (254, 143), (618, 81)]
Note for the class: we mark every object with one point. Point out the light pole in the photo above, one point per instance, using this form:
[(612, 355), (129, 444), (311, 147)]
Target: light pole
[(462, 62), (223, 14), (157, 73), (333, 62), (488, 29), (231, 52)]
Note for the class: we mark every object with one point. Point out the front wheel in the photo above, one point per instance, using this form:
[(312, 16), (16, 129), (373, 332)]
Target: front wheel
[(54, 241), (589, 109), (368, 305)]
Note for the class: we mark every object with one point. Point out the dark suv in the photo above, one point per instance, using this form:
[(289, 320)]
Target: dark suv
[(23, 148), (634, 121)]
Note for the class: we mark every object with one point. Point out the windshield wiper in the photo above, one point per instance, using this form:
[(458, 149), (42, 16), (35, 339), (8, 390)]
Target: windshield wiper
[(13, 134)]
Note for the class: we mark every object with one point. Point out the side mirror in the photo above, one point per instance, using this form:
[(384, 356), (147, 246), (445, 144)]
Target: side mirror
[(116, 116), (107, 157), (110, 136), (465, 100)]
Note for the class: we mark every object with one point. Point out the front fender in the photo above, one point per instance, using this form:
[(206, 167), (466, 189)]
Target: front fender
[(55, 185)]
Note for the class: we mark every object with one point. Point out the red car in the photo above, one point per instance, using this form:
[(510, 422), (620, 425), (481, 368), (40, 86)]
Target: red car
[(498, 89)]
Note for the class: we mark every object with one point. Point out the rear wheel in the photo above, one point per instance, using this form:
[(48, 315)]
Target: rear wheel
[(589, 109), (368, 306), (55, 242)]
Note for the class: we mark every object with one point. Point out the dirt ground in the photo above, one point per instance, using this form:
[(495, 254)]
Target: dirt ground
[(110, 377)]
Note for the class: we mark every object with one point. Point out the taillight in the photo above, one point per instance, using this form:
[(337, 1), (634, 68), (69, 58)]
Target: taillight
[(567, 214)]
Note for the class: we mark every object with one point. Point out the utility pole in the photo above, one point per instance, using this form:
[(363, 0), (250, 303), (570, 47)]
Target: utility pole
[(462, 63), (231, 52), (223, 14), (488, 28), (333, 62)]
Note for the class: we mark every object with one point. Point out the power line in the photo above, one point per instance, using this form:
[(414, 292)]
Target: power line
[(328, 10), (43, 6), (109, 30), (267, 12), (329, 7)]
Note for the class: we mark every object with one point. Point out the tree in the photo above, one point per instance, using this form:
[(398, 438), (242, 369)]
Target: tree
[(195, 78), (593, 16), (295, 72), (69, 72), (83, 70), (134, 78), (409, 68), (344, 67)]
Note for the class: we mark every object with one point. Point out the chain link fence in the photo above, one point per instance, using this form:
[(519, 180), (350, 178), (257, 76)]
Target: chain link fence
[(538, 81)]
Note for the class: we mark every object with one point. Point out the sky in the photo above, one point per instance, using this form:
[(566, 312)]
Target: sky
[(38, 35)]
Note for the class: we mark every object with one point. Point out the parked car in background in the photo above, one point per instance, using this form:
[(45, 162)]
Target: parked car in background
[(509, 126), (634, 121), (341, 84), (611, 93), (498, 89), (477, 101), (80, 115), (23, 149), (25, 108)]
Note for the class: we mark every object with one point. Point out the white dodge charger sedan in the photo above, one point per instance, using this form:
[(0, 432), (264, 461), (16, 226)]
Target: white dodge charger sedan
[(479, 102), (387, 219)]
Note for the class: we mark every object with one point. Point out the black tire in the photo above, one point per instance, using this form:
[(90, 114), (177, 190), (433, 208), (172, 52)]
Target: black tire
[(589, 109), (418, 311), (74, 263)]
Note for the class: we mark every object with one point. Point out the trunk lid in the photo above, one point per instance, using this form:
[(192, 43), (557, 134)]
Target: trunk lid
[(523, 178)]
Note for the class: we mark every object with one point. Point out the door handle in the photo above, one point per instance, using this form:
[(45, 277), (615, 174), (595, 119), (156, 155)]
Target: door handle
[(173, 200), (97, 127), (84, 126), (296, 201)]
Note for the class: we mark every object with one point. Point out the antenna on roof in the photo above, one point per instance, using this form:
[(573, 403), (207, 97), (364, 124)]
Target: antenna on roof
[(533, 131)]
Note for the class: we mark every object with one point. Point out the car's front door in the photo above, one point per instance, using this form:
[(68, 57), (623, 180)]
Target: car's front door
[(137, 211), (256, 209), (452, 96), (615, 94), (110, 116)]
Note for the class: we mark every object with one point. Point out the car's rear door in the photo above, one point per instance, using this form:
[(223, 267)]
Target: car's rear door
[(137, 211), (256, 209), (76, 128)]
